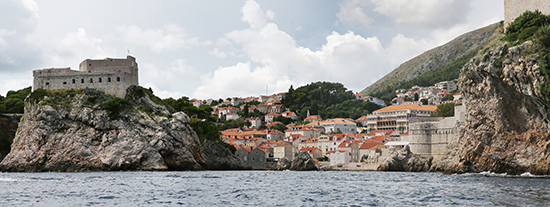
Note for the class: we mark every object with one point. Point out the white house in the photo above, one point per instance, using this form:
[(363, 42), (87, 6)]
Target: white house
[(339, 157), (231, 116)]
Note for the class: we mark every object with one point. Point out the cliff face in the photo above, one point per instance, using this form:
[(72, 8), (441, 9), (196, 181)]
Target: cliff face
[(507, 125), (71, 131)]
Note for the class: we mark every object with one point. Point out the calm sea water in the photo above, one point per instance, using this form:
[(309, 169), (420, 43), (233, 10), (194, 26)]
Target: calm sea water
[(271, 188)]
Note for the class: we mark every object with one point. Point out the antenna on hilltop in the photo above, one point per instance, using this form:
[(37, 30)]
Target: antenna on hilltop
[(128, 51)]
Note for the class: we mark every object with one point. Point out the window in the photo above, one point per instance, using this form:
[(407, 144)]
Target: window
[(74, 81), (64, 83), (117, 79), (82, 80), (100, 80), (91, 80), (109, 80), (47, 83)]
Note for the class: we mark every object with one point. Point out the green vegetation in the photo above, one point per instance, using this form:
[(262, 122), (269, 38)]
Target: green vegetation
[(445, 110), (202, 120), (525, 26), (329, 100), (114, 106), (232, 123), (534, 26), (280, 127), (14, 102)]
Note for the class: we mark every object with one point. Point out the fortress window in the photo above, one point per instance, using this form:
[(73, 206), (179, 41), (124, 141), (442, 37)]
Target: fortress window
[(91, 80), (109, 80), (74, 81), (118, 79), (100, 80), (64, 83), (82, 80), (90, 64), (47, 83)]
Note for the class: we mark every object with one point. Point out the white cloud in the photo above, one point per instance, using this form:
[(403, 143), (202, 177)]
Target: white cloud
[(75, 47), (217, 53), (171, 37), (162, 93), (346, 58), (241, 80), (425, 13), (353, 11), (13, 84)]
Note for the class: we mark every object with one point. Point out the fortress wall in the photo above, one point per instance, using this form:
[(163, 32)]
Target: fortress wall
[(514, 8), (113, 76), (117, 86)]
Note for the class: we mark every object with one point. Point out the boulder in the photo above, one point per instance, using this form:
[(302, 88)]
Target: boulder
[(302, 161), (405, 160)]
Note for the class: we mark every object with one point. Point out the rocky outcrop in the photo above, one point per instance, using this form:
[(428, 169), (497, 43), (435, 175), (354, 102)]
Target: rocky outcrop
[(86, 130), (302, 161), (507, 125), (405, 160)]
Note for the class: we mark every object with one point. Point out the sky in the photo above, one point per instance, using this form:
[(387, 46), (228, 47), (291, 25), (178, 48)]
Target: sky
[(239, 48)]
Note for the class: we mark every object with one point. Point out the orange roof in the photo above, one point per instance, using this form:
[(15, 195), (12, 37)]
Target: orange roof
[(406, 107), (309, 148), (363, 118), (273, 114)]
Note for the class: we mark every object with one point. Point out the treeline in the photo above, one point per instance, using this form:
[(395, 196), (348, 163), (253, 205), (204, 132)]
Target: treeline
[(14, 102), (329, 100)]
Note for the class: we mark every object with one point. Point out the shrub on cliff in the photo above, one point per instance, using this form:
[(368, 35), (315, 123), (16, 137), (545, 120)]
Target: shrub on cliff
[(525, 26), (14, 102)]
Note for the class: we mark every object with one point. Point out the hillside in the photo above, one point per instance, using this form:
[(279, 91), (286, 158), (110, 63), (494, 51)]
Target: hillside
[(438, 64)]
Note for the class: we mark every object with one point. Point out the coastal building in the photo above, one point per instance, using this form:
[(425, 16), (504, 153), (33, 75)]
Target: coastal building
[(397, 117), (339, 125), (112, 76), (283, 149)]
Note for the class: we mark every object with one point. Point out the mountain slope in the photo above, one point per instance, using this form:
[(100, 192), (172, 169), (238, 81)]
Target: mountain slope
[(445, 61)]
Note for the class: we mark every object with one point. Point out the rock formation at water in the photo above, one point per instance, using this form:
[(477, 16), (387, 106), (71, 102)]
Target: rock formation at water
[(86, 130), (301, 161), (507, 124), (405, 160)]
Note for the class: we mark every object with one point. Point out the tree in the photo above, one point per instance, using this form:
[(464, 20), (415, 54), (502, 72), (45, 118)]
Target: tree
[(14, 102), (445, 110), (282, 119), (330, 100), (448, 97), (416, 97), (424, 101), (280, 127)]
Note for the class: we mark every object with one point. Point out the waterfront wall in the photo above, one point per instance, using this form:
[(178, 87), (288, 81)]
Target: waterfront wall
[(431, 136)]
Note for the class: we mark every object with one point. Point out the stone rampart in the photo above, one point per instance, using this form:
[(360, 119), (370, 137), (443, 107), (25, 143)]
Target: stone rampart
[(113, 76), (514, 8), (431, 136)]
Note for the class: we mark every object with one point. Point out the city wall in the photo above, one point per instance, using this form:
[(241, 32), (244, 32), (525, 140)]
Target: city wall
[(431, 136)]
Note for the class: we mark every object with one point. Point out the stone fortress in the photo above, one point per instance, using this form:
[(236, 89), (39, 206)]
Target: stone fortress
[(514, 8), (113, 76)]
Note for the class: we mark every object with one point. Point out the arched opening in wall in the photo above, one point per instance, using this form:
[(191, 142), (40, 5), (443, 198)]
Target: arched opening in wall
[(100, 80), (117, 79), (109, 80), (82, 80), (47, 83), (64, 83), (91, 80), (74, 81)]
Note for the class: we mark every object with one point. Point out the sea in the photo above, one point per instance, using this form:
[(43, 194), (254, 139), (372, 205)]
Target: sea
[(271, 188)]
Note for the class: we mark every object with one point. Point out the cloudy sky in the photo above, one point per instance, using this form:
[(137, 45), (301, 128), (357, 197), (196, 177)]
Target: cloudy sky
[(219, 48)]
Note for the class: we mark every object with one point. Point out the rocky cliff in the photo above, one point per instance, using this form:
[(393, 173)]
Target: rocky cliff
[(507, 118), (86, 130)]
